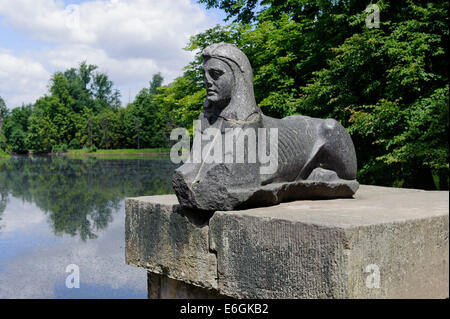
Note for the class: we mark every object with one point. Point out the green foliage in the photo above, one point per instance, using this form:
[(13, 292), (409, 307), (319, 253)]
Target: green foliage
[(148, 120), (49, 124), (92, 149), (155, 83), (60, 148), (15, 128), (110, 129), (82, 107), (285, 46), (242, 11), (3, 109), (390, 87), (74, 144), (184, 102), (4, 112), (4, 154)]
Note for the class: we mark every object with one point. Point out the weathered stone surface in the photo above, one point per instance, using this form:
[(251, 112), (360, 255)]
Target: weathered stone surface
[(308, 189), (320, 249), (303, 249), (165, 239), (216, 196), (302, 149)]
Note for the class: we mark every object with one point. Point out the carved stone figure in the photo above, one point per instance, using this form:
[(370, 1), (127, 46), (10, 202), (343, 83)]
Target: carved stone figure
[(250, 159)]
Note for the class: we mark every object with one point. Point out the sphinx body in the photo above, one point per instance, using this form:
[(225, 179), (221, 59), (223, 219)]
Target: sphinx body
[(314, 158)]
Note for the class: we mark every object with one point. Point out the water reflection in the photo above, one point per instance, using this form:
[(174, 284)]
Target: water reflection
[(80, 195), (56, 211), (3, 201)]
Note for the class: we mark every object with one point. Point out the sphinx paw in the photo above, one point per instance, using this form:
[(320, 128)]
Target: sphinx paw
[(322, 175)]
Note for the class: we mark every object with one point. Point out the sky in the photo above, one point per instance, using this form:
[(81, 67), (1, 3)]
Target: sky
[(129, 40)]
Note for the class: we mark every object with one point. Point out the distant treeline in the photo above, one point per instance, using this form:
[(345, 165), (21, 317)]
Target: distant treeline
[(387, 84), (83, 109)]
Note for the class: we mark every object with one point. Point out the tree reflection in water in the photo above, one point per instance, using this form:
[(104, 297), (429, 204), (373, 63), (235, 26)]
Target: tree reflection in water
[(80, 195)]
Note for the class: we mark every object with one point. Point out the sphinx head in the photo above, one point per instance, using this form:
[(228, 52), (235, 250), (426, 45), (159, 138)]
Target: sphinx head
[(219, 82), (228, 79)]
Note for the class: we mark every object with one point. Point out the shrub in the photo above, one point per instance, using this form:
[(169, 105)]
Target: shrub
[(60, 148), (74, 144), (3, 153), (92, 149)]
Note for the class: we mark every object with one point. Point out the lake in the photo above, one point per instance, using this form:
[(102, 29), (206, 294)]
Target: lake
[(58, 211)]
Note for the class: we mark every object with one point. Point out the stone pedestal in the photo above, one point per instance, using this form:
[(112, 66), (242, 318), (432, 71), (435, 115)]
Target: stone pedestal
[(384, 243)]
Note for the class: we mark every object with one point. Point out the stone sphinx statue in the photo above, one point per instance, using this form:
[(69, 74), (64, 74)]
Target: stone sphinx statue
[(242, 158)]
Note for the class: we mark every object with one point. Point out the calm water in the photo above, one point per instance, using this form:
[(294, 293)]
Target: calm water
[(56, 211)]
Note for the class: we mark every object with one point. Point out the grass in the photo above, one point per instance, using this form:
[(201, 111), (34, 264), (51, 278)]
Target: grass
[(4, 155), (120, 152)]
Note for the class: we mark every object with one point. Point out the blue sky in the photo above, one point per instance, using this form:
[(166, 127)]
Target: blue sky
[(130, 40)]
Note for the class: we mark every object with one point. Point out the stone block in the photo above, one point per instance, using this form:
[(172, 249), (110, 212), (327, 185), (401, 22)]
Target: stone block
[(383, 243), (165, 239), (322, 249)]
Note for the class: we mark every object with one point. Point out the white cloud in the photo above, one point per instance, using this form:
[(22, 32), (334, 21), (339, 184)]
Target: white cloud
[(39, 272), (20, 216), (131, 40), (22, 80)]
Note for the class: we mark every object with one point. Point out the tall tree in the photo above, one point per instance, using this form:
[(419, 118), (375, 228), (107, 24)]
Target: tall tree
[(241, 11), (16, 128), (146, 118), (156, 82), (102, 92), (3, 113), (50, 124)]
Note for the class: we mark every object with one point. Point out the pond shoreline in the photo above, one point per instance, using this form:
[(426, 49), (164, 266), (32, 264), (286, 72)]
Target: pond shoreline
[(109, 154), (115, 152)]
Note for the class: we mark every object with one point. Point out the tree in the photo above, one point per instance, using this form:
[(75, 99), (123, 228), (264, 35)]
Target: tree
[(3, 114), (16, 128), (156, 82), (102, 93), (181, 103), (115, 102), (147, 118), (390, 87), (110, 129), (75, 111), (242, 11), (78, 85), (50, 124), (82, 87)]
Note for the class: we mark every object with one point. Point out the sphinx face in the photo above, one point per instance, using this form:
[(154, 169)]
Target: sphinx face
[(219, 81)]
